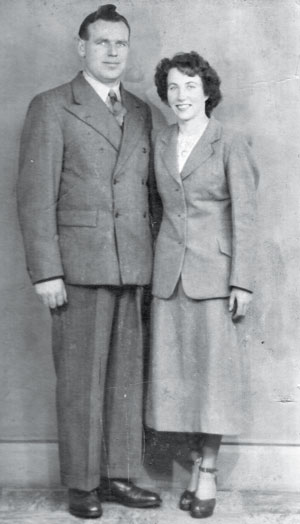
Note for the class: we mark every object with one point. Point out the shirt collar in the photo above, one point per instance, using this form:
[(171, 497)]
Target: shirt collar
[(100, 88)]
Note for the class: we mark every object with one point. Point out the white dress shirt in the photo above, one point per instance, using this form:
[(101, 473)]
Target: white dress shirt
[(102, 89)]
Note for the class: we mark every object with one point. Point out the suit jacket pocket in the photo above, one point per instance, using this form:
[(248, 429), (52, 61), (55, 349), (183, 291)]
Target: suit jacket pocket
[(78, 218), (225, 246)]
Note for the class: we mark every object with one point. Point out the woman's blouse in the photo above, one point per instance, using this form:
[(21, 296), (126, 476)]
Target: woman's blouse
[(185, 145)]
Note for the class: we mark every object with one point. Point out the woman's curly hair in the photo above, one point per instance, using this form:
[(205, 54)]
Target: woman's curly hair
[(190, 64)]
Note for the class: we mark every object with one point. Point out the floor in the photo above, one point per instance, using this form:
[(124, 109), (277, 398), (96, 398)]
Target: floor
[(46, 506)]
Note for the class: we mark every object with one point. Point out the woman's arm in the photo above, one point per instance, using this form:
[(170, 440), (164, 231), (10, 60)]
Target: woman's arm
[(242, 178)]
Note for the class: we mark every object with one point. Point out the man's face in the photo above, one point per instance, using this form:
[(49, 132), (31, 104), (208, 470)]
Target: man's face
[(105, 52)]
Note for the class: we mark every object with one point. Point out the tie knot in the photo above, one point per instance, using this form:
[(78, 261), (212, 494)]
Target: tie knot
[(116, 107), (112, 97)]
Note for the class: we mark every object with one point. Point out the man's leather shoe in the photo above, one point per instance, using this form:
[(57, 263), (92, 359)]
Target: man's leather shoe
[(85, 504), (126, 493)]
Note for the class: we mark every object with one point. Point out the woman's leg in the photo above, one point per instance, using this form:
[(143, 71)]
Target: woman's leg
[(196, 459), (210, 450), (206, 488), (195, 443), (205, 497)]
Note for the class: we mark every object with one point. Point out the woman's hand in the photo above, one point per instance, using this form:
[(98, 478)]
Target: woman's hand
[(239, 301)]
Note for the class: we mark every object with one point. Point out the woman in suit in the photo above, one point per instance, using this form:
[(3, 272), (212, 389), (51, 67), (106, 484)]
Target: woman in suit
[(203, 273)]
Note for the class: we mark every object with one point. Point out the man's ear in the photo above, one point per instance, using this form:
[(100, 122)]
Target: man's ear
[(81, 48)]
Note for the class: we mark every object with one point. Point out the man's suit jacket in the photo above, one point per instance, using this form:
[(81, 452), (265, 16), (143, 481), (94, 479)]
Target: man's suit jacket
[(83, 188), (207, 233)]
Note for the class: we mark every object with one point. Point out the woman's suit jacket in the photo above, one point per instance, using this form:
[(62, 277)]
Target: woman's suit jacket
[(207, 234)]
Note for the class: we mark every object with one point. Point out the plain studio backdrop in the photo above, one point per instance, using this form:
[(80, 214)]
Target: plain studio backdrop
[(255, 47)]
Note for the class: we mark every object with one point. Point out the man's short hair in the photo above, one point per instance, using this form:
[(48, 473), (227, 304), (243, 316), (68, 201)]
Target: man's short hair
[(107, 12)]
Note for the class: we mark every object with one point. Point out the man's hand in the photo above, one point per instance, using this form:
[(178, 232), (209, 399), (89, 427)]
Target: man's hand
[(52, 292), (239, 301)]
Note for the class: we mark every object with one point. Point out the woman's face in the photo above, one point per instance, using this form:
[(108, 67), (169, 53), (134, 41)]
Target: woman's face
[(185, 95)]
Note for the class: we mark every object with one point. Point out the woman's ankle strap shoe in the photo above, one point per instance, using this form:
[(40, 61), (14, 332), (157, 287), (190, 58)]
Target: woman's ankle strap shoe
[(208, 470), (202, 509), (186, 500)]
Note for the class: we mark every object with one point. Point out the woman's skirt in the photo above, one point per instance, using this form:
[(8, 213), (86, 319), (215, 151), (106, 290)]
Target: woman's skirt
[(198, 373)]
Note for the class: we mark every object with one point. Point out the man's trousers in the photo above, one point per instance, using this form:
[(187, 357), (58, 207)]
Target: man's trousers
[(98, 356)]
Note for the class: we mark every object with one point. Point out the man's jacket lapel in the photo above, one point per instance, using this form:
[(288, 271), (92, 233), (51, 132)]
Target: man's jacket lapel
[(134, 126), (89, 108)]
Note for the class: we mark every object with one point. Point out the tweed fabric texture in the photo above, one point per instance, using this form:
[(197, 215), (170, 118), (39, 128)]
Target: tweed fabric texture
[(198, 367), (98, 355)]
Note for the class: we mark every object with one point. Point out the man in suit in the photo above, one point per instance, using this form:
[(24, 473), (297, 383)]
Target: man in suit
[(83, 206)]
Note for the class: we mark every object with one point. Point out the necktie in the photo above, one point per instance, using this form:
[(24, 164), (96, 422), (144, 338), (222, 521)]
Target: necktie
[(116, 107)]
